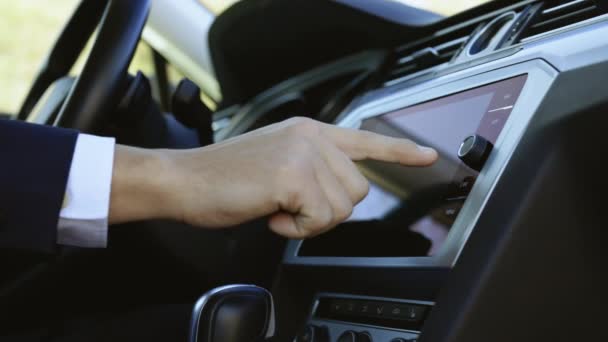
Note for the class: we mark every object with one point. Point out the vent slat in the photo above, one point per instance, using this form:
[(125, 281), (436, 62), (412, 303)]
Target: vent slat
[(410, 65), (454, 44), (563, 7), (564, 18), (415, 58), (425, 55), (561, 14)]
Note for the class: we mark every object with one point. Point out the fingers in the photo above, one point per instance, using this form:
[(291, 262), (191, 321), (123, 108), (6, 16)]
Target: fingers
[(346, 172), (325, 194), (336, 193), (306, 213), (360, 145), (284, 224), (319, 200)]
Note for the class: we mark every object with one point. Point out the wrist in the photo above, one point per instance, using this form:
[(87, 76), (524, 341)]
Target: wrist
[(143, 185)]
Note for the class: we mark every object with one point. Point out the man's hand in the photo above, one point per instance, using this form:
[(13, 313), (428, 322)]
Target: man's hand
[(298, 172)]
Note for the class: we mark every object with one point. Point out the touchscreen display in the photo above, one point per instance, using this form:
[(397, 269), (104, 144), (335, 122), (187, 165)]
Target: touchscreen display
[(409, 211)]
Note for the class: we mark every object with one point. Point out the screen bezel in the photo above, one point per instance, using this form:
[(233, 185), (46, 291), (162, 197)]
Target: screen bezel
[(540, 76), (488, 120)]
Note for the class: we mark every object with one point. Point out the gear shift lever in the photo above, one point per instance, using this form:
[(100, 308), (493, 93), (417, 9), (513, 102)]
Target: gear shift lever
[(233, 313)]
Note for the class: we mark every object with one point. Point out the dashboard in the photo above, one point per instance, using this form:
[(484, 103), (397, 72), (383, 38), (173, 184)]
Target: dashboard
[(422, 218), (502, 97)]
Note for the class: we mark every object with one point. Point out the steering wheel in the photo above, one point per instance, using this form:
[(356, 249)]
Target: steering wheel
[(97, 90)]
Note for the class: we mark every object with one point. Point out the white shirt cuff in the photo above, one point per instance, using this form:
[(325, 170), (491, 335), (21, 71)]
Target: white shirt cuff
[(83, 220)]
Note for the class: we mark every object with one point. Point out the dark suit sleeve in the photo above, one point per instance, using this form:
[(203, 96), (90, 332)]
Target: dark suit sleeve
[(34, 167)]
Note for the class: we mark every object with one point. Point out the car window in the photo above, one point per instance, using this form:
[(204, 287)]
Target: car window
[(33, 26)]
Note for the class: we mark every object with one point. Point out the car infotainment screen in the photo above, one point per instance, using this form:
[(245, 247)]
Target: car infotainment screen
[(409, 211)]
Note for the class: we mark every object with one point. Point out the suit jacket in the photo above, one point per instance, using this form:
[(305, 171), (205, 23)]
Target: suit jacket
[(34, 167)]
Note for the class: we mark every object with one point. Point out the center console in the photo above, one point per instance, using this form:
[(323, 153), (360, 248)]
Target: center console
[(414, 219)]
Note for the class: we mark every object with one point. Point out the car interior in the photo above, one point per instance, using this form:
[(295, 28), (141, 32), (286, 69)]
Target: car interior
[(501, 240)]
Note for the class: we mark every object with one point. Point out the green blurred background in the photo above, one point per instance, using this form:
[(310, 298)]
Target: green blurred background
[(34, 24)]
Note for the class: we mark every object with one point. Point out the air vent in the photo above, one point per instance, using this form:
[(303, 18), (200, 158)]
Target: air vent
[(421, 56), (556, 15)]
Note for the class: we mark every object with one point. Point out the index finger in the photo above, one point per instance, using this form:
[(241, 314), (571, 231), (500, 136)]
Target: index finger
[(361, 145)]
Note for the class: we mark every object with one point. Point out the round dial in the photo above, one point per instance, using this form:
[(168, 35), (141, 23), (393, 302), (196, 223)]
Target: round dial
[(474, 151)]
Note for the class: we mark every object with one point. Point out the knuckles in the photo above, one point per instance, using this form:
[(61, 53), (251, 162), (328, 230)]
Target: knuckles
[(296, 171), (297, 158), (293, 174), (303, 127)]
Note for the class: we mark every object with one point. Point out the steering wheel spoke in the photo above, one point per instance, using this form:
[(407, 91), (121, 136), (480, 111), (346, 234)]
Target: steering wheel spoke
[(96, 91)]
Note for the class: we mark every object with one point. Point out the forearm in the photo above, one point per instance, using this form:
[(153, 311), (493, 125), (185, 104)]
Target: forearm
[(299, 173)]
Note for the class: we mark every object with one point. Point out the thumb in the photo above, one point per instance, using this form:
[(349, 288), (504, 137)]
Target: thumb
[(284, 224)]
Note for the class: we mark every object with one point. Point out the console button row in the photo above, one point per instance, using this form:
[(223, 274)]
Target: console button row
[(397, 311), (313, 333)]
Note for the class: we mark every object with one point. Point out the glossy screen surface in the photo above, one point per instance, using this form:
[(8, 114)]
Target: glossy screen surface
[(409, 211)]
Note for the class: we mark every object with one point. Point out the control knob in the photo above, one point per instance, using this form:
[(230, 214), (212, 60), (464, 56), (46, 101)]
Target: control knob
[(474, 151)]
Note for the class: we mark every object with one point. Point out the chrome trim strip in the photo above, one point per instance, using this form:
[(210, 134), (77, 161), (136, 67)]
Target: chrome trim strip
[(562, 6), (486, 16), (499, 109), (361, 297), (508, 17), (200, 304), (563, 29), (452, 43)]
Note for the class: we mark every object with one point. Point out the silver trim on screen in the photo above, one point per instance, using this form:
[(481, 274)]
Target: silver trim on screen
[(540, 77)]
